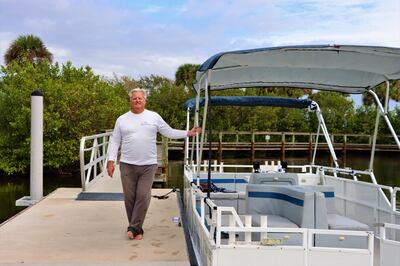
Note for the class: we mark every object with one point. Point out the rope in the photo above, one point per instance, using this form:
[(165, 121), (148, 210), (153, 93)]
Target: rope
[(165, 196)]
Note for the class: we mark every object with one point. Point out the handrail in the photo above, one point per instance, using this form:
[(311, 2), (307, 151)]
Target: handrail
[(98, 157), (394, 199), (383, 235), (390, 198)]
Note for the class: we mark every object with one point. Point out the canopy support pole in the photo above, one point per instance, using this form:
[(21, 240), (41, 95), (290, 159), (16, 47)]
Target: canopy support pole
[(204, 120), (187, 138), (385, 116), (326, 134), (209, 146), (316, 145), (382, 111)]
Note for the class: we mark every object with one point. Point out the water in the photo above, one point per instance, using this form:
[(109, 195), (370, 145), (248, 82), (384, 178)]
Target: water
[(15, 187), (12, 188)]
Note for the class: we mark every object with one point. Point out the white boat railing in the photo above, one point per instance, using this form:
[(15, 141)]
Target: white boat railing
[(222, 167), (394, 199), (212, 229), (381, 199), (215, 228), (93, 167), (389, 244), (388, 194)]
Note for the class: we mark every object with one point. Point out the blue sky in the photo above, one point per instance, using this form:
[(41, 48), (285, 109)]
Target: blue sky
[(138, 38)]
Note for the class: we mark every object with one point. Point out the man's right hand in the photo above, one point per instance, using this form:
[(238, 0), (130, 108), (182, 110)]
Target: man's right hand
[(110, 168)]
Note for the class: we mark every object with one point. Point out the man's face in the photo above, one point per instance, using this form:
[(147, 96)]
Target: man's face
[(138, 102)]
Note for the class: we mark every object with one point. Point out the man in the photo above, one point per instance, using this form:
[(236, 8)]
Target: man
[(136, 131)]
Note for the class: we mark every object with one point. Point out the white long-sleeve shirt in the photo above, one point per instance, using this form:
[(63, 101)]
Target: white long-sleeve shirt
[(137, 133)]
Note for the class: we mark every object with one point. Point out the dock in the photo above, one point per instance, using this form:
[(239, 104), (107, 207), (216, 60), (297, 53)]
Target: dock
[(62, 230)]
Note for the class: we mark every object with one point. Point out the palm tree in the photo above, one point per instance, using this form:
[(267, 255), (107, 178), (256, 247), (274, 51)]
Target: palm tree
[(186, 74), (394, 93), (27, 47)]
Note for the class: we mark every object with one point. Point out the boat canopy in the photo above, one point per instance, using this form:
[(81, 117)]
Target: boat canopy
[(344, 68), (251, 101)]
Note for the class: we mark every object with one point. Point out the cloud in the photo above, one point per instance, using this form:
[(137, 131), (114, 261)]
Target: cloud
[(150, 37), (152, 9), (59, 52)]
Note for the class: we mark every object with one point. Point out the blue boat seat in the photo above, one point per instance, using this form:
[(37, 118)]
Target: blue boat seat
[(289, 202), (285, 207)]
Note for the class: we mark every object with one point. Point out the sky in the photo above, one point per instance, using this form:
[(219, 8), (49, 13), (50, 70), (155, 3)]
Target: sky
[(139, 38)]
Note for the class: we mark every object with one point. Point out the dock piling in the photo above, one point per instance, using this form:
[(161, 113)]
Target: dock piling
[(36, 168)]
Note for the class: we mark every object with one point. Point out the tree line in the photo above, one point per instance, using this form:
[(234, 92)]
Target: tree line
[(77, 102)]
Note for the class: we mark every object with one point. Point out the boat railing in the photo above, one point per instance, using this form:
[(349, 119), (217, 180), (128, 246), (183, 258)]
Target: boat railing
[(214, 228), (396, 204), (366, 202), (93, 157), (269, 165), (389, 233), (389, 238), (389, 194), (223, 233)]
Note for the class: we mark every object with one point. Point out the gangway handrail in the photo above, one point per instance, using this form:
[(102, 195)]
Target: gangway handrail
[(98, 157)]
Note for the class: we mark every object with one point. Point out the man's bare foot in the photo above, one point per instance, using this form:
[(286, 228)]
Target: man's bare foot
[(138, 237), (130, 235)]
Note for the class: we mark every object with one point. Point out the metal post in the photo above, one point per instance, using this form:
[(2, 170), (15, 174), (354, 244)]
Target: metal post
[(209, 144), (36, 170), (187, 138), (325, 132)]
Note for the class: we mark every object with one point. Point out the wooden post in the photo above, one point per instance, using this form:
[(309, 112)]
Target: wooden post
[(219, 147), (253, 152), (344, 149), (283, 147)]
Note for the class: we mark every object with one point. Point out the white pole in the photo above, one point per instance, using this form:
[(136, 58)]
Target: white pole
[(36, 173), (36, 146)]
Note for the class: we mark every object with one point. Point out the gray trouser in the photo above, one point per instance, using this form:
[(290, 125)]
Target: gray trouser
[(137, 181)]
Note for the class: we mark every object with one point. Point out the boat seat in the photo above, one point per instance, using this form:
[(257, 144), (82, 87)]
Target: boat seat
[(326, 215), (274, 178), (290, 202), (284, 206), (340, 222)]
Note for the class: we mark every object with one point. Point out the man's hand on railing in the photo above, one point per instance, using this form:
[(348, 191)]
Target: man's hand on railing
[(110, 168), (193, 131)]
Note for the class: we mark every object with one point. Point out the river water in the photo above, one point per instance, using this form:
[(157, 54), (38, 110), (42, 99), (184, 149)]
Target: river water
[(386, 170)]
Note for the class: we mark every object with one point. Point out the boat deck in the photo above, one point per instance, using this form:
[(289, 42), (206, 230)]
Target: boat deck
[(60, 230)]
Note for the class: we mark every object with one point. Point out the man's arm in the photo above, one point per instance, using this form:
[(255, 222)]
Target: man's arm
[(113, 147), (171, 133)]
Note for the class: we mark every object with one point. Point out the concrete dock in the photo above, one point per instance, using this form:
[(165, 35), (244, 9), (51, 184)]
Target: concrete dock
[(60, 230)]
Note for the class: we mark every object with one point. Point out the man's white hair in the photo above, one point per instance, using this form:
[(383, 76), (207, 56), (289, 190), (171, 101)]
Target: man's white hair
[(138, 90)]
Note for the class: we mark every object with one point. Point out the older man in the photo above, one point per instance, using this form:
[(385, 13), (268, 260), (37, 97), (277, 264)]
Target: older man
[(136, 132)]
